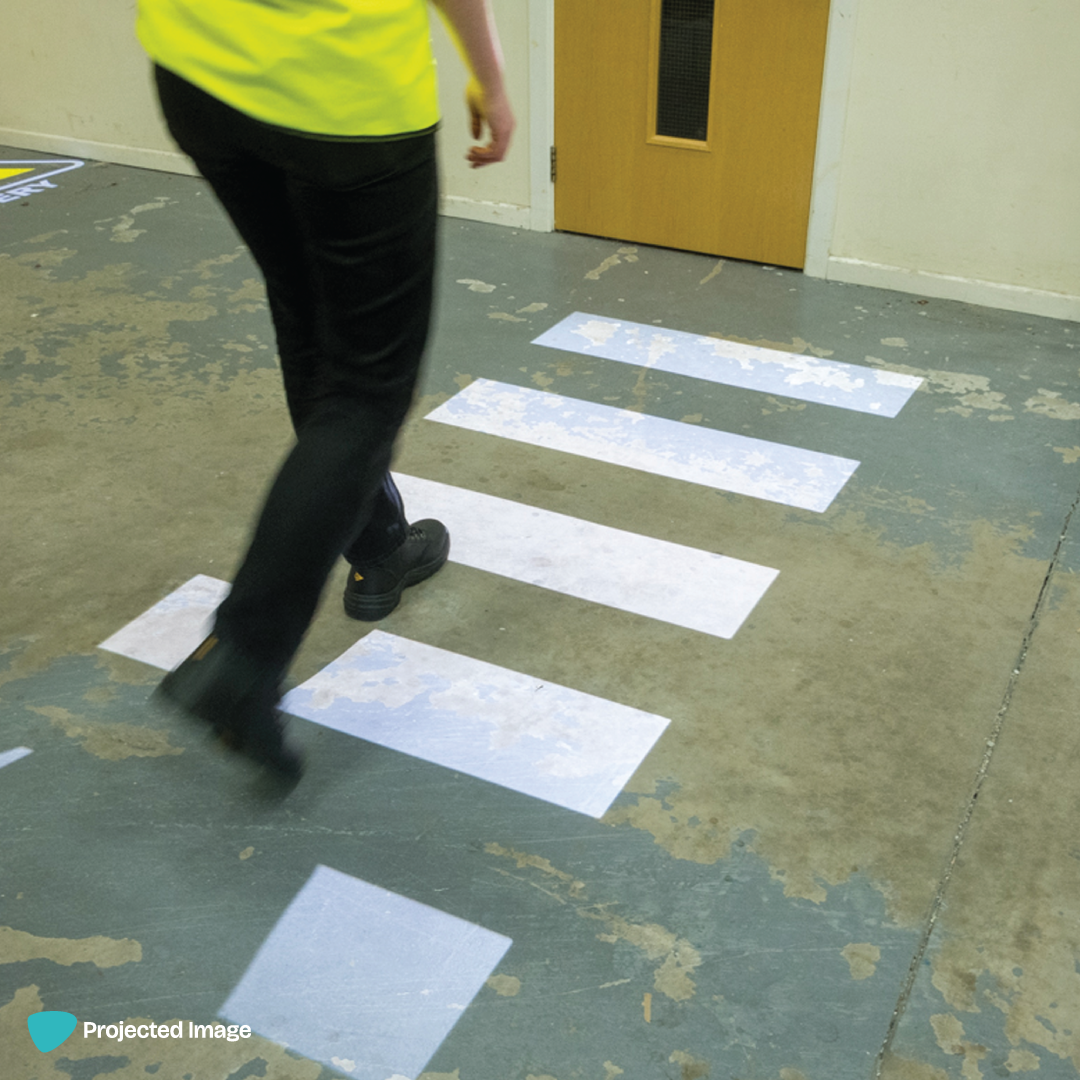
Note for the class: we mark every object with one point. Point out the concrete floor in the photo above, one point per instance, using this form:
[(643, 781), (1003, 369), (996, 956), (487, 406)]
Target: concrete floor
[(853, 852)]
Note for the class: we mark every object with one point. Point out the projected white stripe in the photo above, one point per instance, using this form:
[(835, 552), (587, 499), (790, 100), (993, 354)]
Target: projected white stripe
[(716, 459), (367, 982), (173, 627), (676, 584), (547, 741), (9, 756), (544, 740), (826, 382)]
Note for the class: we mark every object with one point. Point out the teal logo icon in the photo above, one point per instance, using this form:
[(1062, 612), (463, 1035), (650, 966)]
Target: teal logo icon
[(50, 1029)]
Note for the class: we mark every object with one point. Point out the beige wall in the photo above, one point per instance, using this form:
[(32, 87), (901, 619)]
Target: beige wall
[(960, 156), (73, 80), (948, 163), (502, 191)]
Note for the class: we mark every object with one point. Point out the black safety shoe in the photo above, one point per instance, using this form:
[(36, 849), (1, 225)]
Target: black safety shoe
[(373, 591), (219, 686)]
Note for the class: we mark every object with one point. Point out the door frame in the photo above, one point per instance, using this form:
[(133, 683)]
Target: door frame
[(839, 55), (541, 15)]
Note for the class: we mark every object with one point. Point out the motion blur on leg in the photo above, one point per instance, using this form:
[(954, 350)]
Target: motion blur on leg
[(324, 158)]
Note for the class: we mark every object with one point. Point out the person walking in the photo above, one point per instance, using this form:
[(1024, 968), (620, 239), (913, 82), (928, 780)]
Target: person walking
[(314, 124)]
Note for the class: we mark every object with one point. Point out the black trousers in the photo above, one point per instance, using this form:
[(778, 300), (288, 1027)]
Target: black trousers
[(344, 234)]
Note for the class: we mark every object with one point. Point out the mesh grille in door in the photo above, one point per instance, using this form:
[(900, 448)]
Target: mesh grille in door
[(682, 95)]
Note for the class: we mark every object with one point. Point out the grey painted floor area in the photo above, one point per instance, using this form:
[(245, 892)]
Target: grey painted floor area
[(851, 853)]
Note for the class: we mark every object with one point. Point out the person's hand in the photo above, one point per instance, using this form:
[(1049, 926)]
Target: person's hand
[(493, 110)]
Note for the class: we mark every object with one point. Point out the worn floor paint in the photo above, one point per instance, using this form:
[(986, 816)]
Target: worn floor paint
[(999, 993), (716, 459), (18, 946), (752, 903), (544, 740), (367, 982), (805, 378)]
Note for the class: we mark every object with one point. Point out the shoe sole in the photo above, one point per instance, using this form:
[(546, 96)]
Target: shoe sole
[(373, 608), (280, 762)]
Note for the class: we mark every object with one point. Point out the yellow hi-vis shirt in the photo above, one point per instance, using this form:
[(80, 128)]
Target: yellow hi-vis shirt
[(340, 68)]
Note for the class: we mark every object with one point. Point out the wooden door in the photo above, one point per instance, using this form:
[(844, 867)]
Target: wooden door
[(672, 132)]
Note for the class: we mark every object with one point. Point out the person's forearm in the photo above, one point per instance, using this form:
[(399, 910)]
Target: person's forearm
[(473, 29)]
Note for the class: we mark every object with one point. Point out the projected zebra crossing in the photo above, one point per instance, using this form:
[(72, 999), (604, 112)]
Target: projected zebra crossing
[(545, 741)]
